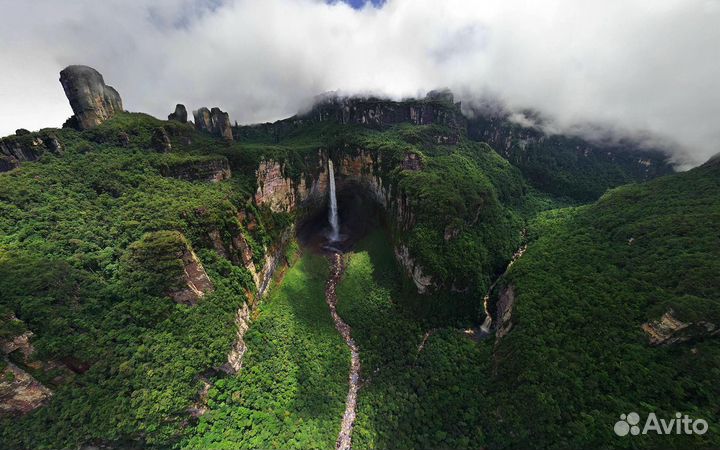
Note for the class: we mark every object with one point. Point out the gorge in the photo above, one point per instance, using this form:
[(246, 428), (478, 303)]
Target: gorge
[(308, 283)]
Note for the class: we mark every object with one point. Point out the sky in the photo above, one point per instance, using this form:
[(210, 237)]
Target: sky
[(645, 69)]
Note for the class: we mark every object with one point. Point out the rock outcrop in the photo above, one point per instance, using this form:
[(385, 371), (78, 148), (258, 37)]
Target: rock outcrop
[(414, 271), (214, 121), (200, 406), (92, 101), (273, 258), (238, 251), (212, 169), (505, 304), (273, 188), (436, 109), (412, 162), (235, 356), (160, 140), (20, 393), (180, 114), (195, 282), (525, 138), (23, 147), (281, 194), (670, 330)]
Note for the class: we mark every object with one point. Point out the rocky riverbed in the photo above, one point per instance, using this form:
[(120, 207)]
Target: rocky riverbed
[(344, 440)]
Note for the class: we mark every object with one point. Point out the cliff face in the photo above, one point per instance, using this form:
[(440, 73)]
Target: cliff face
[(164, 263), (505, 304), (92, 101), (282, 193), (213, 169), (239, 252), (21, 392), (560, 164), (213, 121), (194, 281), (180, 114), (26, 147), (670, 330), (438, 108)]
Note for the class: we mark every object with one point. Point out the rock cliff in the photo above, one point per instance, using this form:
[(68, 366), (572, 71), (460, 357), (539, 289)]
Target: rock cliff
[(281, 193), (207, 169), (180, 114), (565, 165), (438, 108), (670, 330), (27, 147), (160, 140), (194, 282), (214, 121), (92, 101), (505, 304), (240, 253), (20, 393)]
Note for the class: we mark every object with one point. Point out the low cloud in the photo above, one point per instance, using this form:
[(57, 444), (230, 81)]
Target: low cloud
[(645, 69)]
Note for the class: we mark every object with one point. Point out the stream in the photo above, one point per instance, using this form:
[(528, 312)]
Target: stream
[(344, 440), (485, 327)]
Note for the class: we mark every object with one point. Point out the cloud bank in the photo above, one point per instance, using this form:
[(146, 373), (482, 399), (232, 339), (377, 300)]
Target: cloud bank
[(637, 67)]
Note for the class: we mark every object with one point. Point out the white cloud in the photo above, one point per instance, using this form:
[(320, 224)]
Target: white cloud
[(636, 66)]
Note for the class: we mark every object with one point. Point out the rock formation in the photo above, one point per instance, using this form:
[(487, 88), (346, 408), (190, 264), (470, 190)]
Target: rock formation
[(195, 281), (234, 359), (670, 330), (26, 147), (505, 304), (414, 271), (164, 263), (180, 114), (214, 121), (436, 109), (160, 140), (207, 169), (238, 251), (282, 194), (412, 162), (20, 393), (92, 101), (273, 188)]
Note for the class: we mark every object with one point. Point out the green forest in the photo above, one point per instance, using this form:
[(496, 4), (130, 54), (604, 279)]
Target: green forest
[(95, 240)]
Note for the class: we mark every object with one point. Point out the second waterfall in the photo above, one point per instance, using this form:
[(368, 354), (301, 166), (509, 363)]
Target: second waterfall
[(333, 211)]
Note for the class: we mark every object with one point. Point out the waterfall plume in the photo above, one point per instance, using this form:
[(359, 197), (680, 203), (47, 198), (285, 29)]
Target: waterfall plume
[(333, 213)]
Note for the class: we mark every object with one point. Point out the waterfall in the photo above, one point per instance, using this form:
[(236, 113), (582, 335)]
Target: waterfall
[(485, 327), (332, 213)]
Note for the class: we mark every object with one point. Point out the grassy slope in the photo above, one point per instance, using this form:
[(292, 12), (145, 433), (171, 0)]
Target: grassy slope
[(65, 224), (408, 400), (577, 358), (291, 390)]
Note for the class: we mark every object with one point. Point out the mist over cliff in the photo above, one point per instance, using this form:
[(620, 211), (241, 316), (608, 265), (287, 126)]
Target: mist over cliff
[(640, 69)]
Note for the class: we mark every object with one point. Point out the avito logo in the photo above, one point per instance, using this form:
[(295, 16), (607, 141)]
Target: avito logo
[(681, 424)]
